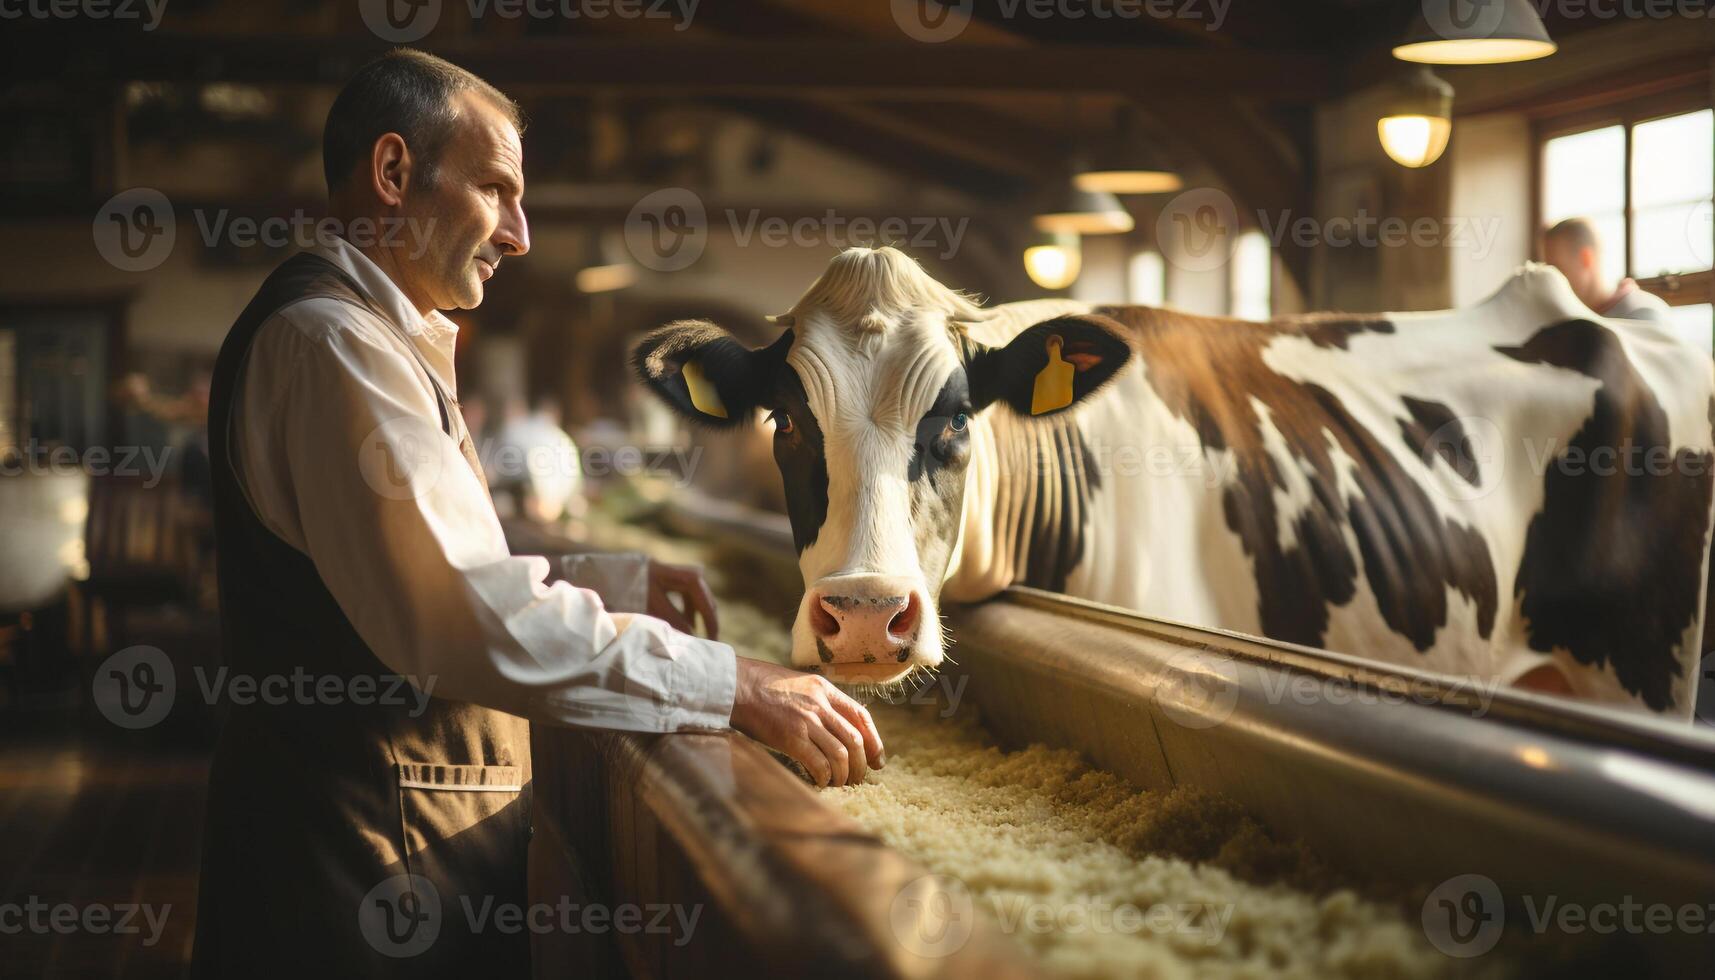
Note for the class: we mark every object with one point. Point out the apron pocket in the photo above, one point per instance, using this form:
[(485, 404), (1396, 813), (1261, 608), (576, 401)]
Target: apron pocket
[(466, 830)]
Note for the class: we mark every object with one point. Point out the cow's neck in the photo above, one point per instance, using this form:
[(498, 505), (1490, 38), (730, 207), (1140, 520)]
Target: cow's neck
[(1023, 520)]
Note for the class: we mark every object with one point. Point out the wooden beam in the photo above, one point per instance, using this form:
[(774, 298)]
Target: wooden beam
[(993, 140), (876, 139), (770, 68), (1265, 165), (1636, 48)]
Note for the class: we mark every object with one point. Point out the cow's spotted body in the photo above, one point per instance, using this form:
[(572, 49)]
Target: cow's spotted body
[(1491, 491)]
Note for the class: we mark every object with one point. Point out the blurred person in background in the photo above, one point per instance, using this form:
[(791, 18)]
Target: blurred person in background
[(186, 412), (1573, 247), (538, 462)]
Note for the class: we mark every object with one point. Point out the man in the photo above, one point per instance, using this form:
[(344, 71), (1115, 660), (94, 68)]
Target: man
[(1573, 247), (357, 545)]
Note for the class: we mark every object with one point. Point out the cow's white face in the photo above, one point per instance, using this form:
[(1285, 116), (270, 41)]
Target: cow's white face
[(871, 432), (873, 391)]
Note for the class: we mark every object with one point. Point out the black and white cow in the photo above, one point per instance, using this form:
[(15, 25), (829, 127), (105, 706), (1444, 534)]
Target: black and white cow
[(1520, 491)]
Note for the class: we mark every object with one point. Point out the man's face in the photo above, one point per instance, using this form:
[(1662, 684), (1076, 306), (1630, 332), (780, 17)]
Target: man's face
[(475, 204)]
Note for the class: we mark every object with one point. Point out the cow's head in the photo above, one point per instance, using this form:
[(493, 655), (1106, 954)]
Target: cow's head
[(874, 390)]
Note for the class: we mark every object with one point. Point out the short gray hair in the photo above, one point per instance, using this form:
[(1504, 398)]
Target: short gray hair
[(406, 92)]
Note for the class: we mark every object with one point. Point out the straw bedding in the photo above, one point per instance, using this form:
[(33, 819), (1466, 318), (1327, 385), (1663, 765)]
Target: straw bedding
[(1038, 832)]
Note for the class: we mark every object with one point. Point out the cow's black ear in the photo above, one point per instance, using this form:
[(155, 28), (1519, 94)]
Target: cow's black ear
[(1049, 367), (706, 375)]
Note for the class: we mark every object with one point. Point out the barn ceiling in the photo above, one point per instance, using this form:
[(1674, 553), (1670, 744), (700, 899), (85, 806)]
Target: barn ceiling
[(837, 71), (993, 114)]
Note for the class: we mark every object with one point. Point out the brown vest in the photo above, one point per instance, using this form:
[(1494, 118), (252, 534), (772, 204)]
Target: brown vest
[(344, 839)]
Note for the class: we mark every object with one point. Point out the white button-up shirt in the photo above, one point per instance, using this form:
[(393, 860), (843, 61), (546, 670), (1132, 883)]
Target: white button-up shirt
[(337, 441)]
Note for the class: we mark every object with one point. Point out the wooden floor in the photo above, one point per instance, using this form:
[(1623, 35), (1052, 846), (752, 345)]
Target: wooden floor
[(104, 823)]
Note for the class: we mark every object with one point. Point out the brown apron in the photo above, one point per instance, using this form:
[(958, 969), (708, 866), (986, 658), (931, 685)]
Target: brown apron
[(346, 839)]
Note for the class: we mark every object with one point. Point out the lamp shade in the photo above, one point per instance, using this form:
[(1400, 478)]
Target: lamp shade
[(1124, 162), (1080, 212), (1129, 180), (607, 269), (1417, 121), (1053, 260), (1475, 32)]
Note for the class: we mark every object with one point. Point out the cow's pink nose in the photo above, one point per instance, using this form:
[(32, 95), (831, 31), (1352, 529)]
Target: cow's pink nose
[(853, 626)]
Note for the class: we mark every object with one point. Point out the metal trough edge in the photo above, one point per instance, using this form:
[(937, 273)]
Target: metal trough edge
[(1386, 785)]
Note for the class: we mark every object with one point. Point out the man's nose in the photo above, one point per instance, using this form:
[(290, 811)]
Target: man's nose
[(512, 235)]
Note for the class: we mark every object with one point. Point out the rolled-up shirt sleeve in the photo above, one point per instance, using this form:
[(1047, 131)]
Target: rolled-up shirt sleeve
[(404, 536)]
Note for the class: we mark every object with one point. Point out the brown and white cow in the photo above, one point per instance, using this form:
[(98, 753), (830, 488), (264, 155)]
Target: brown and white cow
[(1520, 488)]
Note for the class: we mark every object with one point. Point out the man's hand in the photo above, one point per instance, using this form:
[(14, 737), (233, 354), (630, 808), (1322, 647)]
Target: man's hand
[(695, 599), (809, 719)]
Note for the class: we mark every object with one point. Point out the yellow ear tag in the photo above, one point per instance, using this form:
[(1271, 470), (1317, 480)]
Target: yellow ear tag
[(1054, 382), (703, 394)]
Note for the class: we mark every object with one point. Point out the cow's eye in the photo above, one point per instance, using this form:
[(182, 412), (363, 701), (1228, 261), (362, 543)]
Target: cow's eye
[(959, 422), (782, 422)]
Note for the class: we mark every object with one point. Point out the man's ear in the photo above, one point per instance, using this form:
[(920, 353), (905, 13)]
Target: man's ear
[(1051, 366), (704, 374)]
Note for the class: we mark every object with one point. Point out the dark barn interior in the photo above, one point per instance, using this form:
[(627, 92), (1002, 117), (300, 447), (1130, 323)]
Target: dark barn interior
[(708, 160)]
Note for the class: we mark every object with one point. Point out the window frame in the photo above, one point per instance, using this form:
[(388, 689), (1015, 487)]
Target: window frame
[(110, 306), (1679, 289)]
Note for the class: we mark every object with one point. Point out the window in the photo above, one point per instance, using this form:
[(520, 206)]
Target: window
[(54, 374), (1585, 174), (1146, 279), (1672, 177), (1644, 173), (1251, 273)]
